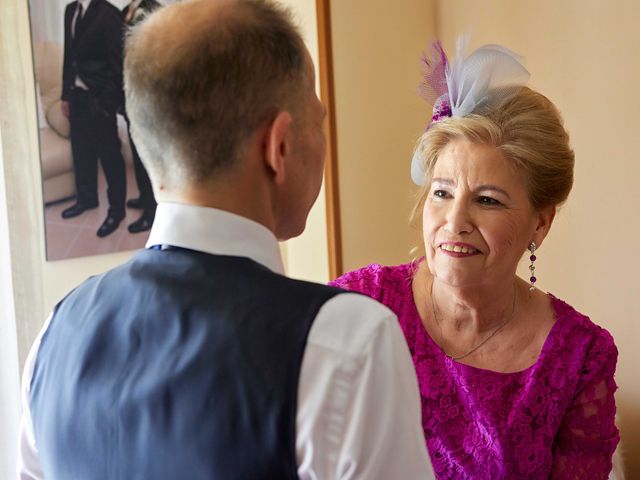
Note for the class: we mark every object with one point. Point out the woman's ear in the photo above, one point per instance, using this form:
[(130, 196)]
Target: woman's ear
[(544, 219), (278, 146)]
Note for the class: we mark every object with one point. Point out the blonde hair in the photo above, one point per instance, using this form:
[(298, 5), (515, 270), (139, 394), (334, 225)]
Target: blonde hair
[(527, 129)]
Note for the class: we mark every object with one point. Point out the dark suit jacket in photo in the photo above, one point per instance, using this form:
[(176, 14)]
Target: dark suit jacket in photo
[(95, 53)]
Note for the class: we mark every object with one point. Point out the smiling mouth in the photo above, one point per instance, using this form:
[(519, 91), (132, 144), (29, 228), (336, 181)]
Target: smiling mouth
[(458, 249)]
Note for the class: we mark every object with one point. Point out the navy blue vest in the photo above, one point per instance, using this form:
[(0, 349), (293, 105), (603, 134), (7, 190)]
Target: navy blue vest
[(175, 365)]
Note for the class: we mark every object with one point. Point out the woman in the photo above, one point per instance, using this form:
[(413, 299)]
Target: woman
[(514, 382)]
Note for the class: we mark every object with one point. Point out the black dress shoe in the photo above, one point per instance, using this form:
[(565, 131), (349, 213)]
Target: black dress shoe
[(135, 203), (142, 224), (109, 226), (77, 209)]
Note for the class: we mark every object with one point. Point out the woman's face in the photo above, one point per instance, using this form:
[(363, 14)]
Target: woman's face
[(477, 218)]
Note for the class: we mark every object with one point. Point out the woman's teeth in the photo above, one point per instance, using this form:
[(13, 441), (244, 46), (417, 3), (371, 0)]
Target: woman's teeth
[(457, 248)]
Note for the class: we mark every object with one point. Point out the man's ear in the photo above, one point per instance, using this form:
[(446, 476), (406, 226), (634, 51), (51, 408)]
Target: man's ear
[(544, 220), (278, 145)]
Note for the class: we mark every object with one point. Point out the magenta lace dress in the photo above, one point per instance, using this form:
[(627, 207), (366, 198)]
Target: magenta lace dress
[(554, 419)]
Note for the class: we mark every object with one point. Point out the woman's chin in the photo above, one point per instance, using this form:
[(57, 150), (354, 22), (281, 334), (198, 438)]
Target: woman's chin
[(459, 281)]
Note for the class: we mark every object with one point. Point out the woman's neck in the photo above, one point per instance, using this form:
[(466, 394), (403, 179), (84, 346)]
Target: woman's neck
[(471, 309), (487, 328)]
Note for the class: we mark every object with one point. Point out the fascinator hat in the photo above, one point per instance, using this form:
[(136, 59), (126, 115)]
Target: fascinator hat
[(469, 85)]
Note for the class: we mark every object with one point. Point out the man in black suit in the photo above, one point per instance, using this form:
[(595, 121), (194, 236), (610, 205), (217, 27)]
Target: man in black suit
[(91, 96), (133, 13)]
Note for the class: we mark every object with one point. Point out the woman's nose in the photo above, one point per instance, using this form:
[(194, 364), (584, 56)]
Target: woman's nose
[(458, 218)]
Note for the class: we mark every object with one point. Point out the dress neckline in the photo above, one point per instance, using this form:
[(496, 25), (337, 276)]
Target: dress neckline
[(426, 338)]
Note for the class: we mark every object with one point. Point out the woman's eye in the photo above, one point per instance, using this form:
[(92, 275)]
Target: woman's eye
[(488, 201), (440, 193)]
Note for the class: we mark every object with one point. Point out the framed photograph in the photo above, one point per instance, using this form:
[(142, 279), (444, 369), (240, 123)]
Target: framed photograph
[(97, 195)]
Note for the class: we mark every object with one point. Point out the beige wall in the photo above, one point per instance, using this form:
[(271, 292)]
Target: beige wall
[(376, 49), (584, 56), (307, 256)]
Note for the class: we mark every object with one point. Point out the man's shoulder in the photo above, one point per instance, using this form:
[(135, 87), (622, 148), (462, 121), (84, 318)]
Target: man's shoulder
[(90, 283), (348, 323), (238, 271), (313, 287)]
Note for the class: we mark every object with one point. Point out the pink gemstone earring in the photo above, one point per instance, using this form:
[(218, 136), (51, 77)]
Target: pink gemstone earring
[(532, 268)]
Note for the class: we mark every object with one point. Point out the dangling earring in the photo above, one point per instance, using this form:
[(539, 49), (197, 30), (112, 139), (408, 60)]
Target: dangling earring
[(532, 268)]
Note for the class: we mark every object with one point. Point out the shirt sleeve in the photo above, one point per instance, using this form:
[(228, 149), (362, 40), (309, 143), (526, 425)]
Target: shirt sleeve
[(29, 467), (358, 402), (588, 435)]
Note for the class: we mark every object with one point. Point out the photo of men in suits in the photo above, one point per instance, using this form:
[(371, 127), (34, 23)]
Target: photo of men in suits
[(91, 97), (93, 181)]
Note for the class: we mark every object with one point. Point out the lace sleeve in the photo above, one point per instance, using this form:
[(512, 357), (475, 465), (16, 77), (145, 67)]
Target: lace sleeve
[(587, 438), (366, 280)]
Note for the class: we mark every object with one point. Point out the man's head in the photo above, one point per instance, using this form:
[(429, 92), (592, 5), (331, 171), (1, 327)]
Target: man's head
[(211, 82)]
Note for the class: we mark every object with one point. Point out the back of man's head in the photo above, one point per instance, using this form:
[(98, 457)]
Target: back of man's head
[(201, 76)]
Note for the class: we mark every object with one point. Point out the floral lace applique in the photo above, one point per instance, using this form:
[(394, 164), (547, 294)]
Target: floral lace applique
[(555, 418)]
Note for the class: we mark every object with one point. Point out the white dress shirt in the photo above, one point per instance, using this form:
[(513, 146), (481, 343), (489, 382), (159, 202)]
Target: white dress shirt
[(358, 403)]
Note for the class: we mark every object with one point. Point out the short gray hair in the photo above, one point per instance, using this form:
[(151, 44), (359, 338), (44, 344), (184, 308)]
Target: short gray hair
[(202, 75)]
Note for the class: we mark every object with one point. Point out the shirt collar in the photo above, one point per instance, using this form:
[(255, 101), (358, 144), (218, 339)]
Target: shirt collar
[(85, 4), (216, 232)]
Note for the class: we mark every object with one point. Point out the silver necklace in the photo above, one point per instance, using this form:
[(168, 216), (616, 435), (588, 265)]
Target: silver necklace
[(493, 334)]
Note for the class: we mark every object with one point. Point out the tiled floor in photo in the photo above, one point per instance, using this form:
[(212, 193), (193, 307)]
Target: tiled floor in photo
[(76, 237)]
